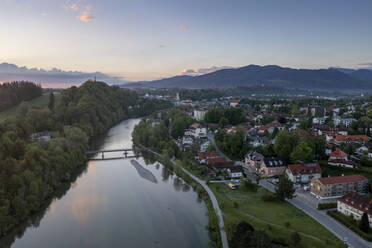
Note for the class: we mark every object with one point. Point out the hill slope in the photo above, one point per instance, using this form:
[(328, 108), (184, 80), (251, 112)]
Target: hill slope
[(271, 75)]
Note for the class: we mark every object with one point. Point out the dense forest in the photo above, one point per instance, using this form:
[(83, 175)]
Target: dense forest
[(32, 170), (11, 94), (225, 116)]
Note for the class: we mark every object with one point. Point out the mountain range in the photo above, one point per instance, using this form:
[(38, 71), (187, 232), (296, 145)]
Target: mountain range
[(331, 79), (52, 78)]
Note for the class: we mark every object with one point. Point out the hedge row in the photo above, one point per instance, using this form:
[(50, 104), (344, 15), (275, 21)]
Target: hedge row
[(349, 224), (327, 205)]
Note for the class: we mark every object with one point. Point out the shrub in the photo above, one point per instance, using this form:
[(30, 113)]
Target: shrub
[(327, 205), (268, 197), (250, 186)]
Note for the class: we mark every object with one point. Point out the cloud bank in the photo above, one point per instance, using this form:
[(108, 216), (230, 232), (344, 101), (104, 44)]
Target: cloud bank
[(52, 78), (201, 71)]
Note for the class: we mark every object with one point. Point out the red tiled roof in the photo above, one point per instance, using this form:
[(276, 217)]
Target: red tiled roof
[(352, 137), (357, 201), (270, 125), (342, 179), (338, 154), (236, 169), (205, 155), (342, 161), (196, 125), (223, 165), (235, 101), (309, 168), (216, 160)]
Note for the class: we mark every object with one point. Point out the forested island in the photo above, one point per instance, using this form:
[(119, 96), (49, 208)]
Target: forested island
[(33, 168)]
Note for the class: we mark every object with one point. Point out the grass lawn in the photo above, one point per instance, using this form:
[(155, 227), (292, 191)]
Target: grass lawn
[(41, 101), (271, 217)]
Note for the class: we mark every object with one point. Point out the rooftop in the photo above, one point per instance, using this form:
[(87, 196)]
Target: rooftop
[(357, 201), (309, 168), (342, 179)]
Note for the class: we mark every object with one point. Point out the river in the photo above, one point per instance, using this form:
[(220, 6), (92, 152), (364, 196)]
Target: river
[(112, 205)]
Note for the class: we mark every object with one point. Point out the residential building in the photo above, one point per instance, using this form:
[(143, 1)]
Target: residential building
[(203, 156), (253, 160), (256, 141), (337, 120), (199, 114), (353, 204), (303, 173), (215, 160), (360, 139), (197, 130), (319, 120), (338, 154), (343, 163), (333, 187), (234, 102), (204, 146), (273, 166), (235, 171), (316, 111), (41, 136), (270, 127)]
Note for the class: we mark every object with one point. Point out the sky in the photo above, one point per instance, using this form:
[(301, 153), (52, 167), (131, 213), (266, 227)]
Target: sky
[(145, 40)]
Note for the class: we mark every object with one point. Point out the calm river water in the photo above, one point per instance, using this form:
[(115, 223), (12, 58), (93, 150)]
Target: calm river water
[(111, 205)]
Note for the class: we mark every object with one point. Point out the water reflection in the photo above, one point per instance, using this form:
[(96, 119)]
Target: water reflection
[(144, 173), (111, 205)]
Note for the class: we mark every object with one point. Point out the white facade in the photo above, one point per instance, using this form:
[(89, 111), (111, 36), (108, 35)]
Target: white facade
[(348, 210), (319, 120), (199, 115), (302, 178), (204, 146), (337, 120)]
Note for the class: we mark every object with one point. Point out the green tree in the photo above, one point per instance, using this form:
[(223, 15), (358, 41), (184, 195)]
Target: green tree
[(284, 189), (295, 239), (223, 122), (284, 144), (364, 223), (51, 101), (302, 153)]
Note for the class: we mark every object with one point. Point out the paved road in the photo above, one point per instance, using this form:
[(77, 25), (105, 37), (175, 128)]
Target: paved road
[(339, 230), (210, 137), (221, 224), (302, 202)]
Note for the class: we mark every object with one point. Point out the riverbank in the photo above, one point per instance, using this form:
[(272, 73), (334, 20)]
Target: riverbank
[(216, 223), (111, 204)]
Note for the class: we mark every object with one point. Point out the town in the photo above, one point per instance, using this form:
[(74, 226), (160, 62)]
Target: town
[(322, 147)]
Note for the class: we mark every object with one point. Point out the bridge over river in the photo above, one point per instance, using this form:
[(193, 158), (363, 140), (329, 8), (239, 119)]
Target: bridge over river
[(125, 152)]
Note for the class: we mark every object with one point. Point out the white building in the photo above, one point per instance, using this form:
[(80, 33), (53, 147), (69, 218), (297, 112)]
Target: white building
[(353, 204), (303, 173), (337, 120), (199, 114), (319, 120), (204, 146)]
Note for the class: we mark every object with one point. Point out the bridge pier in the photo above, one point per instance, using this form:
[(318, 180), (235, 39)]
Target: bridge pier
[(103, 155)]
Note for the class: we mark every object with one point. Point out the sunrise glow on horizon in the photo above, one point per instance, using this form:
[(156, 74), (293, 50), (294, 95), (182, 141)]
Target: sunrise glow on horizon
[(145, 40)]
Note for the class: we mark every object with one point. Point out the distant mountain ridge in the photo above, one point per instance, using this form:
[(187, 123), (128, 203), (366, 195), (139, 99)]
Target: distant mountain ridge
[(331, 79)]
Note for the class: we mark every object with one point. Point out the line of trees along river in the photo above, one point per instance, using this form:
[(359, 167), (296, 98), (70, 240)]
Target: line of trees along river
[(31, 172)]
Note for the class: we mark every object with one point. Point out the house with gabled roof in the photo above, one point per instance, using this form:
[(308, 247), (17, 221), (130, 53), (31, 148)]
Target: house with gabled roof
[(273, 166), (303, 173), (353, 204), (334, 187)]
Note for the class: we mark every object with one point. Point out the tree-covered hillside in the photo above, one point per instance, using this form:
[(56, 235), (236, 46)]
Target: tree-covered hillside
[(14, 93), (32, 170)]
